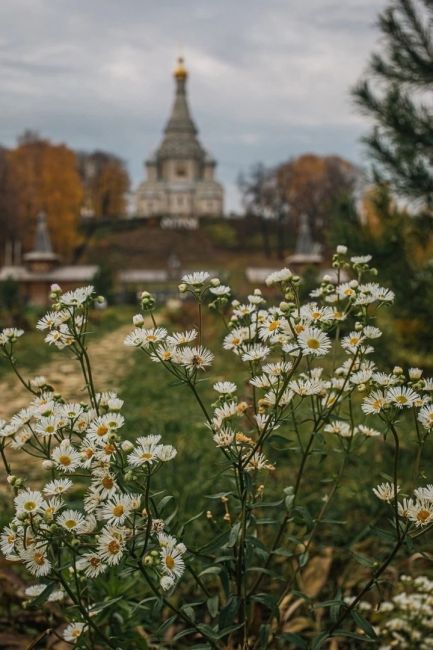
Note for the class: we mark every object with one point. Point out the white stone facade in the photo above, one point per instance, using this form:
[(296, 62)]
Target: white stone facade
[(180, 175)]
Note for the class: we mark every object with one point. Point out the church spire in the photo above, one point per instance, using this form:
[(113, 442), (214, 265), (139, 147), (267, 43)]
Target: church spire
[(180, 133), (42, 237)]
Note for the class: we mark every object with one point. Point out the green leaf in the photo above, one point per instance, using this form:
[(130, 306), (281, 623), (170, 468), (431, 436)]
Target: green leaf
[(182, 633), (43, 596), (363, 624), (295, 639), (211, 570), (228, 630), (188, 611), (303, 559), (213, 605), (164, 502), (268, 600), (228, 613), (318, 641), (234, 533)]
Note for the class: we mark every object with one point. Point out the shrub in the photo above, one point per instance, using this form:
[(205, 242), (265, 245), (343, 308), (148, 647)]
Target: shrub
[(99, 537)]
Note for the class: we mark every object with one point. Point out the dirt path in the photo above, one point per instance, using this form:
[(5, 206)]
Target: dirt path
[(110, 362)]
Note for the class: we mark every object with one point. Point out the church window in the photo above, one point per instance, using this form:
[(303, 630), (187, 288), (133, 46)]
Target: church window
[(180, 170)]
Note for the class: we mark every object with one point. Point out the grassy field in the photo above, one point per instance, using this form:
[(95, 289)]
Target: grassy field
[(155, 404)]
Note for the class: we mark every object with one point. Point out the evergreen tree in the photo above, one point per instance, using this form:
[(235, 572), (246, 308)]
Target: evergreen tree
[(397, 94)]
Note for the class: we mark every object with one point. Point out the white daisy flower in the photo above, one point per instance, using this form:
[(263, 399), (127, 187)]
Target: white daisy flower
[(278, 276), (374, 403), (36, 560), (221, 290), (339, 427), (146, 451), (402, 396), (421, 512), (29, 502), (8, 538), (224, 437), (181, 338), (196, 279), (385, 491), (103, 483), (369, 432), (314, 342), (361, 259), (425, 493), (166, 582), (116, 509), (10, 335), (73, 632), (166, 453), (35, 590), (76, 297), (111, 544), (71, 520), (257, 462), (225, 387), (53, 319), (172, 561), (255, 352), (66, 458), (197, 358), (235, 339), (91, 564)]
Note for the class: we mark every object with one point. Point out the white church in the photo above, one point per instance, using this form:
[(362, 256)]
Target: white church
[(181, 173)]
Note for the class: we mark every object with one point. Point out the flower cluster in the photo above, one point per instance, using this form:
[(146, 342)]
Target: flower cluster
[(405, 620), (93, 512)]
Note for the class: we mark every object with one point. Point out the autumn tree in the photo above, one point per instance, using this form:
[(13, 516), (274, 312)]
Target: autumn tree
[(44, 177), (312, 184), (106, 183), (309, 185)]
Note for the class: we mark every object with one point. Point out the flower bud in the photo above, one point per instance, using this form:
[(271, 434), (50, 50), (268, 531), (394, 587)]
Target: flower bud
[(138, 320), (341, 249), (47, 464), (11, 479), (284, 306), (100, 300), (147, 560), (397, 370), (182, 287), (127, 445), (215, 282)]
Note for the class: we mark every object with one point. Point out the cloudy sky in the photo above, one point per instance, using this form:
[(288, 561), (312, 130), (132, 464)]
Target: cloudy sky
[(269, 79)]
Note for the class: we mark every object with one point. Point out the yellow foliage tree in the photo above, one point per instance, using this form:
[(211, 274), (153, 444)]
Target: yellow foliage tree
[(44, 177)]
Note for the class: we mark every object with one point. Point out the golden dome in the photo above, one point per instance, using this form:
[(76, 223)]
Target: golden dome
[(180, 71)]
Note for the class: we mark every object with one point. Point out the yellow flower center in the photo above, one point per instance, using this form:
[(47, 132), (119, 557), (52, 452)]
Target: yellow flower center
[(30, 505), (313, 344), (70, 523), (102, 430), (169, 561), (107, 482), (118, 510), (113, 547), (423, 515), (65, 460), (39, 559)]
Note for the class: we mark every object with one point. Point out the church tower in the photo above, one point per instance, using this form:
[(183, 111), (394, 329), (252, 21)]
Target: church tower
[(180, 174)]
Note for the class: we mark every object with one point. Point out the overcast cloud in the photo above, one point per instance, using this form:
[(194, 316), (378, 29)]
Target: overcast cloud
[(269, 79)]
